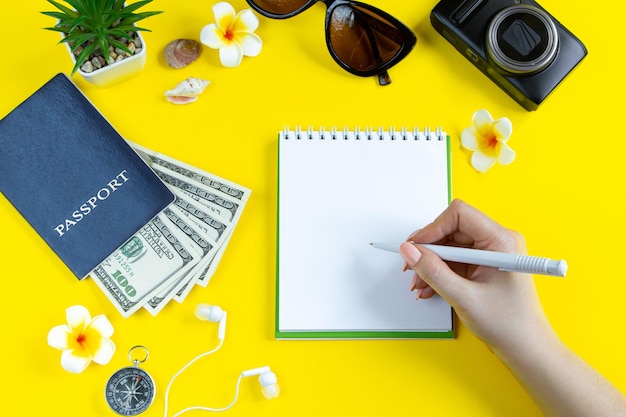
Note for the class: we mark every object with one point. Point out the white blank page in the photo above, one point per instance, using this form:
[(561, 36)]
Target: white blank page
[(336, 196)]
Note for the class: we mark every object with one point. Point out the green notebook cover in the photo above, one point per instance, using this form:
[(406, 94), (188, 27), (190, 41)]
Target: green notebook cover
[(338, 191)]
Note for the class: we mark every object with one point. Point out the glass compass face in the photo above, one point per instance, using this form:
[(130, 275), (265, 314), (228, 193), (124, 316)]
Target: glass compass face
[(130, 391)]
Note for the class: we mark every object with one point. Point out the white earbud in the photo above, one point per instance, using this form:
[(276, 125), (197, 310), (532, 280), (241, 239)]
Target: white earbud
[(213, 314), (267, 379)]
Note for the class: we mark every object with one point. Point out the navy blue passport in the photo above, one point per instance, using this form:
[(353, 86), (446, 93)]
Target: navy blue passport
[(73, 177)]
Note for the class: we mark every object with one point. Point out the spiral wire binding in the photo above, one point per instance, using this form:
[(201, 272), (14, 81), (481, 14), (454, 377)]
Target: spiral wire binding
[(359, 134)]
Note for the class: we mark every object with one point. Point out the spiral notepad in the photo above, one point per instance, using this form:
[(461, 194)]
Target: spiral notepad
[(338, 190)]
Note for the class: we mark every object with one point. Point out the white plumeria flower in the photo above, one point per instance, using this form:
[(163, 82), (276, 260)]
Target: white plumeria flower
[(487, 138), (82, 340), (232, 34)]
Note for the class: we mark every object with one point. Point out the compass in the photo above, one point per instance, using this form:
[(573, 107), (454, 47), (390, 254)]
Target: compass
[(130, 390)]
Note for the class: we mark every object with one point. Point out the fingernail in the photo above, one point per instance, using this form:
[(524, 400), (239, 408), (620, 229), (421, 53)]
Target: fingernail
[(405, 267), (418, 294), (410, 253), (414, 282)]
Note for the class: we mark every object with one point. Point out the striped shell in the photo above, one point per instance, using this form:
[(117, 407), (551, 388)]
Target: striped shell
[(181, 52)]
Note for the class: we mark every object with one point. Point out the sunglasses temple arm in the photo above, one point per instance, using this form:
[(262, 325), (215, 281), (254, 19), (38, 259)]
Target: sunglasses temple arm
[(384, 78)]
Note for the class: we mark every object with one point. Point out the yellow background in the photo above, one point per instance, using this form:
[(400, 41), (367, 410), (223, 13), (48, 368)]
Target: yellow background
[(563, 192)]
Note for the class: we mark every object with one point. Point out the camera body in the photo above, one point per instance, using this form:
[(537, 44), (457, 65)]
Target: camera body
[(516, 43)]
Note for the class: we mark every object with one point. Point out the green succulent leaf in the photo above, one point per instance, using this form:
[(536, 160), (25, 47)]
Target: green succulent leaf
[(66, 11), (120, 45), (79, 6), (132, 7), (130, 20), (56, 15), (121, 33), (81, 21), (57, 29), (80, 40), (141, 29)]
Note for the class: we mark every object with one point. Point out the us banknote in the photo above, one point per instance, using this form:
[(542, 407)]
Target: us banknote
[(149, 261)]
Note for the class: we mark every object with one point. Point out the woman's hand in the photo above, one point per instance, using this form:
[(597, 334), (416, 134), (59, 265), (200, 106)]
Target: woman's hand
[(498, 307)]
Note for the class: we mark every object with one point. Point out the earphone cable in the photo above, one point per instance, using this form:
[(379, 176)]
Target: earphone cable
[(177, 374), (201, 408)]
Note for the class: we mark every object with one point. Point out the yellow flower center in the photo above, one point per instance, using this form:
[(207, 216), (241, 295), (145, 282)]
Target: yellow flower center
[(229, 35), (489, 143), (84, 343)]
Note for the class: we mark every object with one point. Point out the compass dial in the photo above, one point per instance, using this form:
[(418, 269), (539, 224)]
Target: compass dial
[(130, 391)]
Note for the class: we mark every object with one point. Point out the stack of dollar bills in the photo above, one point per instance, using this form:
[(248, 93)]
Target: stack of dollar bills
[(178, 249)]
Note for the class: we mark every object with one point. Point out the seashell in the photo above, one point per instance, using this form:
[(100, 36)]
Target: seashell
[(181, 52), (186, 91)]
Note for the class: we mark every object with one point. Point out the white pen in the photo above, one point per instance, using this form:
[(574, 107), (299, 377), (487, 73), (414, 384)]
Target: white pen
[(503, 261)]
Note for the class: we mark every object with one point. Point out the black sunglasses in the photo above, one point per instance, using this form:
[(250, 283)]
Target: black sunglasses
[(362, 39)]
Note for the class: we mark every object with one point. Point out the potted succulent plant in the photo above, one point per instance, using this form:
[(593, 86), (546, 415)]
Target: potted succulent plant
[(102, 38)]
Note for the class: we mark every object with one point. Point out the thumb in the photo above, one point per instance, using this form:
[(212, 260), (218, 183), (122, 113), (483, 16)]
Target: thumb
[(434, 272)]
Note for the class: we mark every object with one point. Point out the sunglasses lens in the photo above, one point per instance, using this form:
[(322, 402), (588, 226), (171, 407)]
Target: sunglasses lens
[(278, 7), (364, 40)]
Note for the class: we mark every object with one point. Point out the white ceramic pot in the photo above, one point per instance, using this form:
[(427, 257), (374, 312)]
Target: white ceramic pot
[(117, 71)]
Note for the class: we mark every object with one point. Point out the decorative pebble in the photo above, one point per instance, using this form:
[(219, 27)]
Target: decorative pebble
[(96, 63), (87, 66), (181, 52)]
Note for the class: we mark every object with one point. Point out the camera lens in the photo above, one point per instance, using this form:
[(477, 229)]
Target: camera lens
[(522, 39)]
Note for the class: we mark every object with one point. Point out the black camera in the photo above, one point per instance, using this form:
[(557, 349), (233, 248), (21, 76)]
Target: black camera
[(516, 43)]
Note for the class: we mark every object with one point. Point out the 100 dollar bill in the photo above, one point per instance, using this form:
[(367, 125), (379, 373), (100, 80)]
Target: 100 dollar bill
[(140, 268)]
